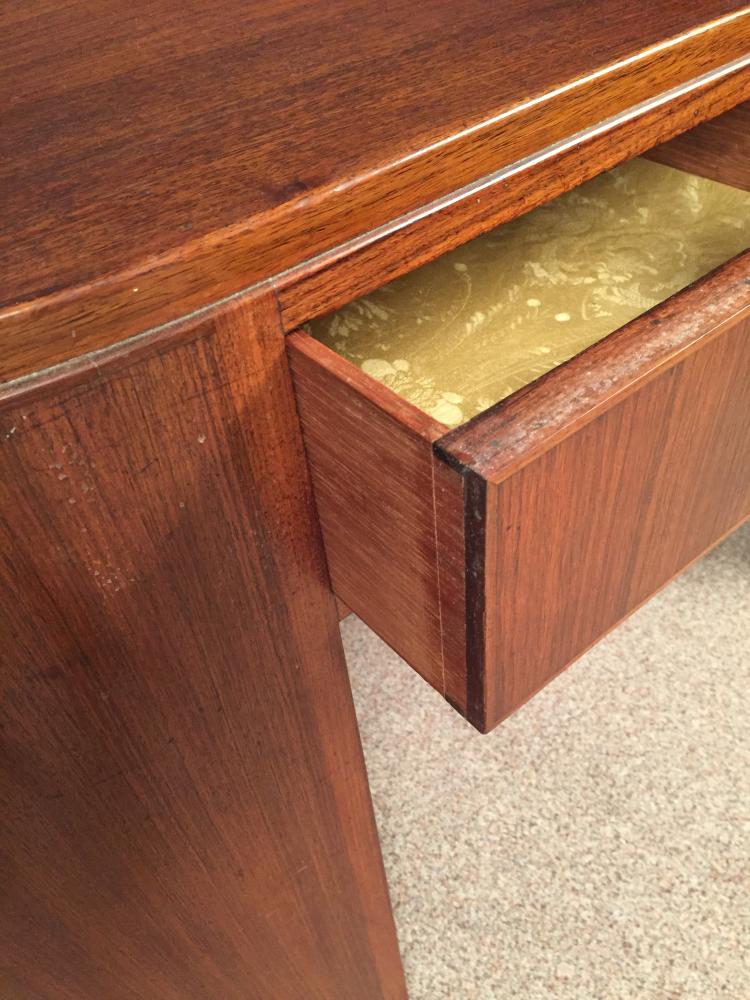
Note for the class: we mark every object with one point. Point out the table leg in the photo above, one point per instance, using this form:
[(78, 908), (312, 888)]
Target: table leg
[(185, 812)]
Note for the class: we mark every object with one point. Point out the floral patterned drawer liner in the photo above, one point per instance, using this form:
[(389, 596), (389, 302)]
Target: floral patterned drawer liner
[(472, 327)]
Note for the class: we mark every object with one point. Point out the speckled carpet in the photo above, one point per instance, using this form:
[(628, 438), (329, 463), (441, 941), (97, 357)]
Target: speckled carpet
[(596, 845)]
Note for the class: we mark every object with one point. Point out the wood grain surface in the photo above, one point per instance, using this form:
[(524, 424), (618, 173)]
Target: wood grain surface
[(333, 279), (371, 467), (719, 149), (598, 483), (185, 813), (550, 517), (156, 160)]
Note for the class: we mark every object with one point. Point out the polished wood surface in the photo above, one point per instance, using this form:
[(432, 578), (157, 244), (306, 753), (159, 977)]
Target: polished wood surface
[(676, 481), (185, 812), (372, 469), (332, 280), (157, 160), (598, 483), (392, 517), (554, 514), (719, 149)]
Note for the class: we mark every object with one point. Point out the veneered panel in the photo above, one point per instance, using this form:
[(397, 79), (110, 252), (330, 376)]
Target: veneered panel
[(371, 461), (245, 159), (185, 811), (582, 536)]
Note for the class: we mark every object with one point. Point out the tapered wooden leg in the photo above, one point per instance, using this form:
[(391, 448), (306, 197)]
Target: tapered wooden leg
[(185, 813)]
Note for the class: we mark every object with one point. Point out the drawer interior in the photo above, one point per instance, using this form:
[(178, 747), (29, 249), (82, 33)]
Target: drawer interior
[(516, 445), (469, 329)]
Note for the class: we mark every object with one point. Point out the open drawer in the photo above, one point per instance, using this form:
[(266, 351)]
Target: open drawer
[(579, 479)]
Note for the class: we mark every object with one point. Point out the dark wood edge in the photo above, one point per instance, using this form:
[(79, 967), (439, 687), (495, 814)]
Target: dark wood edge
[(514, 432), (406, 414), (475, 522), (234, 260)]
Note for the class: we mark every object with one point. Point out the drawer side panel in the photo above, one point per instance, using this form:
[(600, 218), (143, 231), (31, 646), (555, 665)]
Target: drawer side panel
[(718, 149), (373, 485)]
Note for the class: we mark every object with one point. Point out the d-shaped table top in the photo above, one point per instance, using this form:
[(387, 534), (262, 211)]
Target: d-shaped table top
[(156, 159)]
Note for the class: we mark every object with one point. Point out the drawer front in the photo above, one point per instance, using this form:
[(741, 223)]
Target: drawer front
[(492, 556), (599, 484)]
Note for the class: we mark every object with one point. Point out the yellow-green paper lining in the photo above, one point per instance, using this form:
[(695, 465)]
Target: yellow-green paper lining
[(467, 330)]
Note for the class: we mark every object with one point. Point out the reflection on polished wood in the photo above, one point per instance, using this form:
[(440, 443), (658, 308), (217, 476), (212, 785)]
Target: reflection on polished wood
[(157, 160)]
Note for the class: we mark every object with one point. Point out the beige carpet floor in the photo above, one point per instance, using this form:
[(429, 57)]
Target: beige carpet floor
[(595, 846)]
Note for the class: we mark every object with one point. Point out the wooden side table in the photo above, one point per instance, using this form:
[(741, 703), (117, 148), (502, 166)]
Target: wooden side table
[(185, 811)]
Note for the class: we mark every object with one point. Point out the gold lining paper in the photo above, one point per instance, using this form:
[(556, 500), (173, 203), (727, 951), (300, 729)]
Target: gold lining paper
[(470, 328)]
